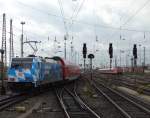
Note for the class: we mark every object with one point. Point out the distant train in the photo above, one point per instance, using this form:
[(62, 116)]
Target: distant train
[(32, 72), (111, 71)]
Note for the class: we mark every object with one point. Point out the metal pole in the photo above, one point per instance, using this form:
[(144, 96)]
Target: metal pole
[(4, 43), (75, 57), (22, 23), (127, 60), (3, 91), (120, 58), (10, 42), (132, 65), (135, 62), (84, 64), (115, 61), (91, 56), (140, 55), (91, 67), (78, 58), (144, 60), (110, 62), (65, 38), (144, 56)]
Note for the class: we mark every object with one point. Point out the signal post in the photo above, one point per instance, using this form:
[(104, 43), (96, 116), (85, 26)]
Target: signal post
[(110, 54), (91, 56), (135, 55), (84, 53)]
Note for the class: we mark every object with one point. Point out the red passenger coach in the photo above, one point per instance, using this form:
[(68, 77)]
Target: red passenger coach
[(70, 70)]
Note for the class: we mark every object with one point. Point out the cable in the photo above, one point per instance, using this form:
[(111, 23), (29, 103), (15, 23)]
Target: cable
[(73, 18), (62, 13), (75, 14), (82, 22), (74, 11), (130, 18), (79, 9), (137, 11), (129, 9), (34, 8)]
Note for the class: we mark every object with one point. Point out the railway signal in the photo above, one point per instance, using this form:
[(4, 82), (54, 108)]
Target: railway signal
[(110, 50), (84, 53), (110, 53), (135, 54), (135, 51), (84, 50), (91, 56)]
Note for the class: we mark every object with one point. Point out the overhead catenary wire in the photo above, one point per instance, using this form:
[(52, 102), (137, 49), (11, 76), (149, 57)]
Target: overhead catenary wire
[(136, 12), (98, 25), (129, 9), (130, 18), (82, 22), (75, 14), (79, 9), (62, 13), (89, 24), (74, 10)]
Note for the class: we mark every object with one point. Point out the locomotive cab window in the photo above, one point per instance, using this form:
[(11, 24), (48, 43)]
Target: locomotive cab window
[(25, 63)]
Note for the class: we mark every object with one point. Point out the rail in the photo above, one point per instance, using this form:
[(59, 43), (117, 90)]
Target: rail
[(72, 105), (8, 101), (126, 106)]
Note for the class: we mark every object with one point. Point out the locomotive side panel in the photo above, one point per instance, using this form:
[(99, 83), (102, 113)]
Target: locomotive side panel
[(52, 72)]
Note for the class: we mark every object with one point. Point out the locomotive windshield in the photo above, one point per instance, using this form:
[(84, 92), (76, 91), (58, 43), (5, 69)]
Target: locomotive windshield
[(21, 62)]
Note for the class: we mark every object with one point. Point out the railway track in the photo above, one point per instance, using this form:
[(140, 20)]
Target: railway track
[(128, 107), (6, 101), (134, 87), (127, 83), (10, 100), (137, 100), (72, 105)]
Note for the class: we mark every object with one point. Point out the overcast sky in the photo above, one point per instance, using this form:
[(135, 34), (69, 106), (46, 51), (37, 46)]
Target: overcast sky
[(95, 22)]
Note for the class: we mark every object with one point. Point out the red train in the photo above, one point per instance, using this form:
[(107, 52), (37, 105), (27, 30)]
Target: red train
[(70, 70), (111, 71), (120, 70)]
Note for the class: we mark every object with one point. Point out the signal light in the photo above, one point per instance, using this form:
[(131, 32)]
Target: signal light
[(110, 50), (135, 51), (84, 50), (91, 56)]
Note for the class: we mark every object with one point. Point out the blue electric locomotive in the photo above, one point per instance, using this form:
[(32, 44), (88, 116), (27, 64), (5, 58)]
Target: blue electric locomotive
[(31, 72)]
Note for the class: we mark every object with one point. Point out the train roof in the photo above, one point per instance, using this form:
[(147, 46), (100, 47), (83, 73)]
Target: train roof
[(63, 61), (26, 58), (22, 58)]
